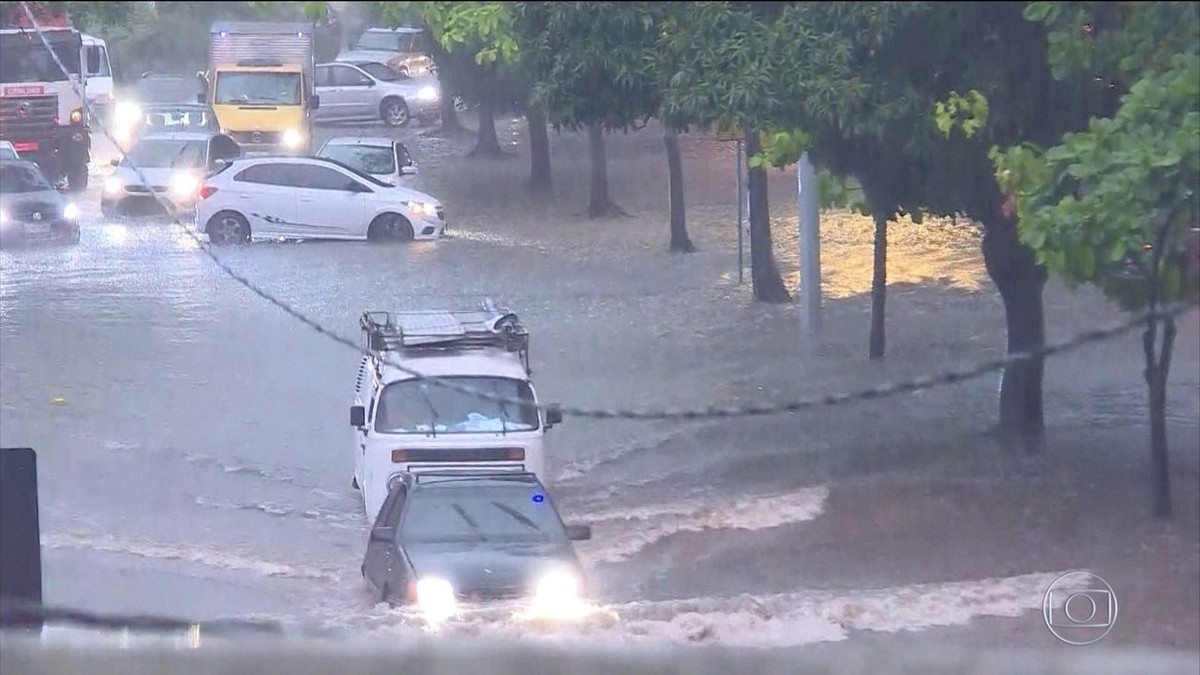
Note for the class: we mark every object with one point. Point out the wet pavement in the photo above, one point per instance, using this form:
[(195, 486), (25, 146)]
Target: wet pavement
[(194, 457)]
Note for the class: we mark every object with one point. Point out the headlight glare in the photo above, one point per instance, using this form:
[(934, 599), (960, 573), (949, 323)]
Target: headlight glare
[(423, 209), (292, 138), (3, 216), (113, 185), (184, 185), (127, 114), (427, 93), (435, 598), (71, 212)]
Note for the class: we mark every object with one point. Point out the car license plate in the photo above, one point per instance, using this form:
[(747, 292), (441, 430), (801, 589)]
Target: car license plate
[(37, 229)]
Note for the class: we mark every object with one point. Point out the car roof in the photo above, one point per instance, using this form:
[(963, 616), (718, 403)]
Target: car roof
[(360, 140), (178, 136), (175, 106)]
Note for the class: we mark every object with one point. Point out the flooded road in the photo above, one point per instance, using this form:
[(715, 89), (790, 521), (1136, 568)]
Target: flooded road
[(194, 457)]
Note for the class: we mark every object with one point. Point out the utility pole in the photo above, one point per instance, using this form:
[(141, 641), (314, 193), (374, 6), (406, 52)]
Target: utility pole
[(810, 245)]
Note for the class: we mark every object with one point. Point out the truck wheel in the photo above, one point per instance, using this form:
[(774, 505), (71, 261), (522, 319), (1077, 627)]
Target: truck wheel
[(393, 112), (77, 178)]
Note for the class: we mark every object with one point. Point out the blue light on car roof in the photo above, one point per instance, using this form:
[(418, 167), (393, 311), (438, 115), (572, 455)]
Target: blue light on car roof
[(538, 499)]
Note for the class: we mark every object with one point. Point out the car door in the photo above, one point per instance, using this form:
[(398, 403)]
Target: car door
[(356, 90), (330, 204), (264, 194), (331, 100)]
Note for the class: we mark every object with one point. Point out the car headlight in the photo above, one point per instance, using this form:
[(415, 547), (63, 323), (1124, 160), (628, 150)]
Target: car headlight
[(558, 596), (113, 185), (127, 113), (427, 93), (435, 598), (292, 138), (184, 185), (71, 212), (423, 209)]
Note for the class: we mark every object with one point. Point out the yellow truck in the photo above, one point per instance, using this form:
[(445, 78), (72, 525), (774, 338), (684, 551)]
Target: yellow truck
[(260, 84)]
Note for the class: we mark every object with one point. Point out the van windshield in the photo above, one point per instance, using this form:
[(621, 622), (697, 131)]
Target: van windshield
[(417, 407)]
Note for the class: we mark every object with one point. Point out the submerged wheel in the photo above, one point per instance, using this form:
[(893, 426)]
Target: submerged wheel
[(394, 112), (390, 227), (228, 227)]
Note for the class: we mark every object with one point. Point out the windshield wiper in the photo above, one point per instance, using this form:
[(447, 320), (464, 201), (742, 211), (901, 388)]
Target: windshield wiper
[(467, 519), (432, 412), (504, 419), (516, 515)]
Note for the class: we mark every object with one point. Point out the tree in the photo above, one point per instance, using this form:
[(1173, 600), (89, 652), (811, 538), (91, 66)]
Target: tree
[(592, 63), (1112, 205)]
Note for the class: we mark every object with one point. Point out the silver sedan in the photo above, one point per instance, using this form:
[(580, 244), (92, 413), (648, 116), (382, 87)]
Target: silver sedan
[(355, 92)]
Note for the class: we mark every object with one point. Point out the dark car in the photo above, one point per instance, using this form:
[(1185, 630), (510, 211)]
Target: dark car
[(31, 209), (443, 539)]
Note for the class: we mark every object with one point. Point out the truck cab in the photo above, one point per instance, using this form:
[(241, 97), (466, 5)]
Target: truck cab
[(98, 69), (260, 85), (407, 424)]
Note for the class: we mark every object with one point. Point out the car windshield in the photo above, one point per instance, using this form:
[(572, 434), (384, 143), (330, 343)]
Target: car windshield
[(20, 178), (380, 71), (372, 159), (402, 43), (467, 513), (416, 407), (161, 153), (168, 90), (180, 119), (258, 88)]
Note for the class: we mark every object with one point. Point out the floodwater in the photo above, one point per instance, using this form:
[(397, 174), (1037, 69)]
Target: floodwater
[(194, 458)]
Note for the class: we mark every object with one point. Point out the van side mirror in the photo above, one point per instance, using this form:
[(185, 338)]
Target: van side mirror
[(358, 416), (386, 535), (579, 532), (553, 415), (114, 162)]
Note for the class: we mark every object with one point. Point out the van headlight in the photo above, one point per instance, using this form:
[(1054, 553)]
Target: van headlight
[(71, 212), (292, 139), (427, 93), (113, 185), (184, 185), (435, 599), (422, 208)]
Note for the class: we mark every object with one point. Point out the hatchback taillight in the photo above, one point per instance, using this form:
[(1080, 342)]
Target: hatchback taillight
[(207, 191)]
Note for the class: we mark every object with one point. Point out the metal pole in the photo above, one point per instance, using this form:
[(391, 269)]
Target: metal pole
[(810, 245), (738, 168)]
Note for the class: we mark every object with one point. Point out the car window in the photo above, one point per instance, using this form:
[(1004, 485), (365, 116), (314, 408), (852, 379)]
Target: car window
[(345, 76), (321, 178), (324, 76), (265, 174), (371, 159), (402, 154)]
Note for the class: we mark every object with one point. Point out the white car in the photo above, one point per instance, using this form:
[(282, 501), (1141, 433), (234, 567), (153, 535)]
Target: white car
[(174, 163), (370, 91), (310, 198), (383, 158), (7, 151)]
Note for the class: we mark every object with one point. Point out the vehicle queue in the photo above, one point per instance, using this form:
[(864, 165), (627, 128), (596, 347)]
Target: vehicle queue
[(459, 511)]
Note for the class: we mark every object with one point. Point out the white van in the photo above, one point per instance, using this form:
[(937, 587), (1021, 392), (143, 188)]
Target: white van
[(403, 423), (99, 75)]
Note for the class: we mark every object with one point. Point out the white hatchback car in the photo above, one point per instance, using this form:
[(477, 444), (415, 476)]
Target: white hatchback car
[(310, 198)]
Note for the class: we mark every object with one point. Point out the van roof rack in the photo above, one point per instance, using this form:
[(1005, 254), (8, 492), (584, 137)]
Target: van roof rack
[(446, 331)]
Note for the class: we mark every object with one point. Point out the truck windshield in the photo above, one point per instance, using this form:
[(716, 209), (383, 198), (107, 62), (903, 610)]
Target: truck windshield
[(372, 159), (258, 88), (21, 178), (417, 407), (23, 58), (161, 153)]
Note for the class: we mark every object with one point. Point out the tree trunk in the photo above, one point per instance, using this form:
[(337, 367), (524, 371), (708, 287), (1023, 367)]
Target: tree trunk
[(1158, 366), (539, 148), (450, 125), (680, 241), (1020, 280), (487, 144), (878, 338), (599, 204), (764, 272)]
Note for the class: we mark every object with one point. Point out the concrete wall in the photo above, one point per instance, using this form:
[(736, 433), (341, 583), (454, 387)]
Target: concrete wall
[(296, 657)]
